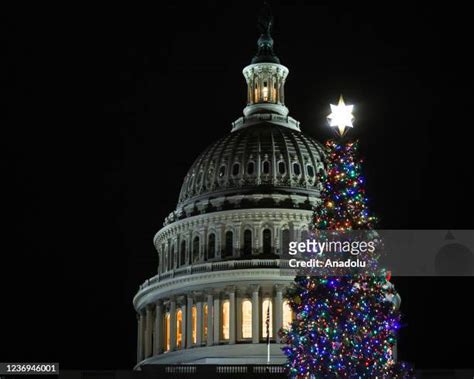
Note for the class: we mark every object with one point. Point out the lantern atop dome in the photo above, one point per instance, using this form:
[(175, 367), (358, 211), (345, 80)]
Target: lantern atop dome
[(265, 75)]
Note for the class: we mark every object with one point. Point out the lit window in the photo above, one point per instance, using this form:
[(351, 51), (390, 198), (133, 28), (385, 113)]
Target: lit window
[(204, 324), (167, 331), (287, 314), (267, 318), (246, 319), (225, 319), (194, 323), (179, 329), (265, 91)]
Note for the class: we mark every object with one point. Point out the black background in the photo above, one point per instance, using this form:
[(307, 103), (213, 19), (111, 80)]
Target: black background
[(106, 110)]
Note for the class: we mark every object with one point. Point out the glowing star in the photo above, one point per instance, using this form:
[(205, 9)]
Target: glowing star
[(341, 116)]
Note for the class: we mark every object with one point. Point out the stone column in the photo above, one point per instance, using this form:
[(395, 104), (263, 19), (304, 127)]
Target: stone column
[(237, 243), (140, 337), (276, 239), (158, 341), (238, 307), (209, 319), (231, 292), (277, 311), (184, 323), (148, 331), (217, 313), (199, 321), (172, 324), (189, 322), (256, 236), (255, 314)]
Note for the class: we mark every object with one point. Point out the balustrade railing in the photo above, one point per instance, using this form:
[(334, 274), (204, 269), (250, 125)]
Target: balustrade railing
[(216, 266)]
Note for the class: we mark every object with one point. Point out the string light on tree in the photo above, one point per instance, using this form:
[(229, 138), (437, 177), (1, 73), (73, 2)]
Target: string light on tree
[(346, 326), (341, 116)]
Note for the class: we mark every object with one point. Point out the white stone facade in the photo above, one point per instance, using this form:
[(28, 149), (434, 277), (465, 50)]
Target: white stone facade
[(209, 282)]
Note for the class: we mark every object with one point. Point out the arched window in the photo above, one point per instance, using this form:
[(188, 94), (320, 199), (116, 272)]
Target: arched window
[(167, 332), (196, 249), (204, 322), (265, 91), (296, 168), (281, 167), (221, 171), (235, 169), (229, 244), (250, 168), (248, 242), (310, 170), (179, 329), (266, 167), (246, 319), (211, 246), (225, 319), (194, 324), (285, 241), (287, 314), (267, 318), (183, 253), (267, 241)]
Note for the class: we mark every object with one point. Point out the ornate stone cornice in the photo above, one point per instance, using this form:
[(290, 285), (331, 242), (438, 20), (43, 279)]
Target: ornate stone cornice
[(209, 282)]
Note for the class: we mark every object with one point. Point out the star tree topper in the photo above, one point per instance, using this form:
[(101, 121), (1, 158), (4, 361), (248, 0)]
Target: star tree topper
[(341, 116)]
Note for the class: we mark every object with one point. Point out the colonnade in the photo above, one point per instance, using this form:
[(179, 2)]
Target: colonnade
[(211, 317)]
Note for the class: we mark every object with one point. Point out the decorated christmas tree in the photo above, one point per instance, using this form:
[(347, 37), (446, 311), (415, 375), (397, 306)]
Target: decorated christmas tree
[(346, 324)]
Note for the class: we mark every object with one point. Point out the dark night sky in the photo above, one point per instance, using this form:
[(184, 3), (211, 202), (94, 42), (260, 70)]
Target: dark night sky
[(106, 110)]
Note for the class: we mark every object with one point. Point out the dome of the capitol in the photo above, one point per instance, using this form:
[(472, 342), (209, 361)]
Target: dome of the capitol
[(264, 158), (221, 254)]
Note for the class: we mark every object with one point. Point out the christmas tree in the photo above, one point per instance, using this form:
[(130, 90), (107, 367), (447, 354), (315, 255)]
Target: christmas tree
[(346, 325)]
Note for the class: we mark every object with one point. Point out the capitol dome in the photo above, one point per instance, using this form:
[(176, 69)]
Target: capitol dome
[(263, 158), (218, 296)]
